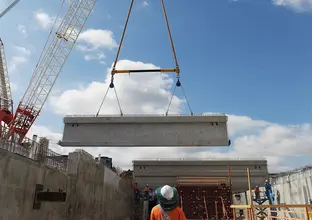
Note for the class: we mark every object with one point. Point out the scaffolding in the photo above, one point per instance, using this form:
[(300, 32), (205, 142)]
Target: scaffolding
[(206, 197), (272, 211)]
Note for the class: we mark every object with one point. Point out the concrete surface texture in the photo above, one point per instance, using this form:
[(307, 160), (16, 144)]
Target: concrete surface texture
[(161, 172), (294, 187), (203, 130), (93, 191)]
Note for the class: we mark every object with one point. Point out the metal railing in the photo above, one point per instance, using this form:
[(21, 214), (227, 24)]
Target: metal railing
[(34, 151), (293, 171), (201, 159), (145, 115)]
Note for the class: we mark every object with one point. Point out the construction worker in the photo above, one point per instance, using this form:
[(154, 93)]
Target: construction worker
[(268, 186), (152, 201), (146, 192), (269, 192), (136, 186), (168, 208), (257, 193), (146, 189), (137, 192)]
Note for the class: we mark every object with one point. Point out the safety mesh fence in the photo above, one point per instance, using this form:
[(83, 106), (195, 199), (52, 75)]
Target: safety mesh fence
[(35, 150)]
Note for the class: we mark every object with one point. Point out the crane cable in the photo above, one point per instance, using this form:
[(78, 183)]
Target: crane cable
[(111, 85), (170, 36), (178, 83)]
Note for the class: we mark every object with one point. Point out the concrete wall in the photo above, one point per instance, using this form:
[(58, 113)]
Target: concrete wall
[(157, 173), (18, 177), (93, 191), (209, 130), (294, 187)]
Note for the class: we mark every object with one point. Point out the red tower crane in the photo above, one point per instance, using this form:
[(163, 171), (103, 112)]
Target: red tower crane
[(6, 102), (50, 64)]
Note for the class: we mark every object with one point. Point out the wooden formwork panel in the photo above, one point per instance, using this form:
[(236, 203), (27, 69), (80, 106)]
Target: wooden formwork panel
[(199, 130)]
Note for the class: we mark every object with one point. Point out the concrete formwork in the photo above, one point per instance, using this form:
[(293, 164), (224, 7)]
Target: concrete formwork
[(160, 172), (203, 130)]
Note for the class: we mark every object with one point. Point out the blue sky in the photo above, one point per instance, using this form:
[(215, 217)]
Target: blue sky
[(247, 58)]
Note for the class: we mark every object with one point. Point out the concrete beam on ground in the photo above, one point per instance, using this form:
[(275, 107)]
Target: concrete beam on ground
[(157, 173), (145, 130)]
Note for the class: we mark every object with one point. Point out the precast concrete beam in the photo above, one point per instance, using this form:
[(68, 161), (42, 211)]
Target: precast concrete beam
[(160, 172), (198, 130)]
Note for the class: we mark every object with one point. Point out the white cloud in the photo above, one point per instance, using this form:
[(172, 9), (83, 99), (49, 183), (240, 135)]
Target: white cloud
[(92, 41), (296, 5), (145, 3), (22, 50), (22, 28), (21, 56), (44, 20), (95, 56), (149, 93), (98, 39), (140, 93)]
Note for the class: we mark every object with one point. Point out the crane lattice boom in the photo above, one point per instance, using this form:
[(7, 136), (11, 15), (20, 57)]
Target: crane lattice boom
[(49, 66), (6, 103)]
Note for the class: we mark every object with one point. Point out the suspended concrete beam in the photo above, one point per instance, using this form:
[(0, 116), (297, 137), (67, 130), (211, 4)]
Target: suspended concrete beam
[(118, 131)]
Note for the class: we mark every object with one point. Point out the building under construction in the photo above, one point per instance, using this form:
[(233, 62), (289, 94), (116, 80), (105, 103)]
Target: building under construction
[(82, 187), (205, 186)]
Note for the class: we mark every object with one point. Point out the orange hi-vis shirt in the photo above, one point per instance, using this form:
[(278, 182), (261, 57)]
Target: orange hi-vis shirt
[(175, 214)]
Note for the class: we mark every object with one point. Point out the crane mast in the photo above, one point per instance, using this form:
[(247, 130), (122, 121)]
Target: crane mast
[(49, 66), (6, 102)]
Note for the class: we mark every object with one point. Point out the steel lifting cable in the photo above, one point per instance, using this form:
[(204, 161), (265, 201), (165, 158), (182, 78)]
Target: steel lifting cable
[(111, 85), (170, 36), (178, 83), (121, 39)]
